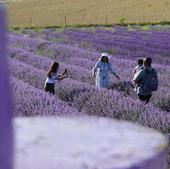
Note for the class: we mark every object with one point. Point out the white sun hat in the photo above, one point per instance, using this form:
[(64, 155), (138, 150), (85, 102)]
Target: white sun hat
[(106, 54)]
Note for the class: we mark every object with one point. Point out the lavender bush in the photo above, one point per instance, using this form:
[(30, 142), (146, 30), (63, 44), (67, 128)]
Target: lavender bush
[(84, 74), (79, 94), (30, 101)]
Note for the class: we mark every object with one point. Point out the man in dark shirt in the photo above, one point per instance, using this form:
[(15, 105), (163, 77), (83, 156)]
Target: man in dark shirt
[(142, 78)]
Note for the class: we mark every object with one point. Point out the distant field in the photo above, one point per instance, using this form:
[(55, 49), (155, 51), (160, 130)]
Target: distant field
[(53, 12)]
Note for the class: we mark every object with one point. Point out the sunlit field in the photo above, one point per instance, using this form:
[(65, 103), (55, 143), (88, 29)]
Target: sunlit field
[(63, 12)]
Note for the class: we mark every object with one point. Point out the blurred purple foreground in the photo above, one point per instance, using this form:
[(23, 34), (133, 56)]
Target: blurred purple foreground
[(86, 143), (6, 137)]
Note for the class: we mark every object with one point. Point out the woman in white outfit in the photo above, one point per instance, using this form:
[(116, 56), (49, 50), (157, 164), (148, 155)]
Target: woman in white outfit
[(52, 76), (101, 71)]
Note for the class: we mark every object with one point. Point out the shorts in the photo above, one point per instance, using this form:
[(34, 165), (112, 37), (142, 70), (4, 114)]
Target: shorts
[(49, 87), (144, 98)]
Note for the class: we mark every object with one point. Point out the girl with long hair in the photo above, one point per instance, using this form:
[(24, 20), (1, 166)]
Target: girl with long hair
[(52, 76)]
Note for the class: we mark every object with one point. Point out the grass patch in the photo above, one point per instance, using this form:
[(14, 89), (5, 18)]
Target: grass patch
[(144, 26)]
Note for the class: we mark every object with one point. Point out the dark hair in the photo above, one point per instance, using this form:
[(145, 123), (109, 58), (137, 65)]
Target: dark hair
[(53, 68), (104, 57), (148, 61), (140, 61)]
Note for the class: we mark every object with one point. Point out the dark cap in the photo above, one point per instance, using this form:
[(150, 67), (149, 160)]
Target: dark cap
[(140, 61), (147, 61)]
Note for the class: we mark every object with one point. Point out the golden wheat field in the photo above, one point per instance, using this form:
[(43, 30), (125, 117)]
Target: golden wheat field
[(73, 12)]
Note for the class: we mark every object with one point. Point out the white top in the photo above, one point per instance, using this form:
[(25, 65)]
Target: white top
[(138, 68), (102, 76), (52, 79), (62, 143), (103, 68)]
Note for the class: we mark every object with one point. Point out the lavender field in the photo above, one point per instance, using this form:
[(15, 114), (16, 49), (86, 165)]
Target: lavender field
[(31, 53)]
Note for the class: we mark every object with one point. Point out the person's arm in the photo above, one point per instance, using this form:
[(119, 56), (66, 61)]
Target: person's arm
[(60, 75), (94, 70), (133, 72), (112, 71), (94, 75), (60, 78), (138, 77), (64, 73)]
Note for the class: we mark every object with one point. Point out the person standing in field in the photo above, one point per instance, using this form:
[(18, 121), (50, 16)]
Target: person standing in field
[(146, 80), (138, 68), (52, 76), (101, 71)]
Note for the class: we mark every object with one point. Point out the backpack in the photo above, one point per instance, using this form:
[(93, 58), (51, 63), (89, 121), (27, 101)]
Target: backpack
[(151, 83)]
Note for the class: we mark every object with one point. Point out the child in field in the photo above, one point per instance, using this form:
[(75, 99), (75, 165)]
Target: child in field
[(138, 68), (52, 76)]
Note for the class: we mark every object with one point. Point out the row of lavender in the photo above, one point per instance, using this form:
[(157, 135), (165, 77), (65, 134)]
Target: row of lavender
[(24, 72), (30, 101), (75, 56), (80, 57), (124, 43), (74, 75), (88, 99)]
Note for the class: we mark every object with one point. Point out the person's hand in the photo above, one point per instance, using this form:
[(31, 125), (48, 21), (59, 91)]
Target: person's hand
[(132, 82), (64, 73)]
